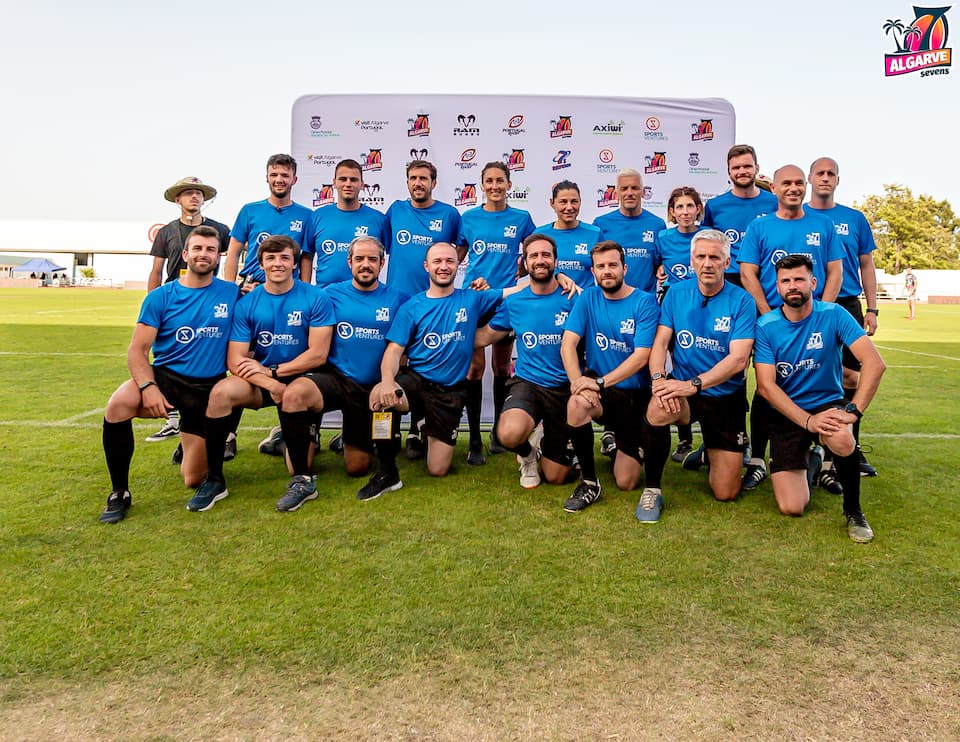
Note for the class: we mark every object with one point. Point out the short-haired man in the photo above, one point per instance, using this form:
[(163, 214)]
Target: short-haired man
[(186, 323), (618, 324), (436, 329), (859, 276), (190, 194), (706, 328), (276, 215), (492, 234), (288, 325), (332, 228), (790, 230), (365, 309), (540, 389), (799, 371), (731, 212)]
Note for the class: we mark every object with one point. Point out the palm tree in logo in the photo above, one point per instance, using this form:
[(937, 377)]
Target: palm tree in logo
[(897, 27), (911, 32)]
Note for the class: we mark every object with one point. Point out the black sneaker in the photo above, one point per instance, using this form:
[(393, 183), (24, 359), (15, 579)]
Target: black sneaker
[(415, 447), (475, 455), (177, 457), (814, 466), (683, 448), (118, 503), (866, 468), (608, 444), (583, 497), (753, 477), (695, 460), (208, 494), (336, 444), (495, 446), (379, 483), (230, 448), (830, 483), (273, 444)]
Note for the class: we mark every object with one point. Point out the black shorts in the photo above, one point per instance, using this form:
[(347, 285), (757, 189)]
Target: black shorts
[(790, 443), (852, 305), (352, 399), (625, 413), (442, 405), (546, 404), (723, 420), (187, 394)]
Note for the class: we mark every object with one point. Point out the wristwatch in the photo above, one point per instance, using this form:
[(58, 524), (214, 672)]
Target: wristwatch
[(273, 371), (696, 384), (600, 382), (853, 410), (657, 376), (873, 311), (144, 385)]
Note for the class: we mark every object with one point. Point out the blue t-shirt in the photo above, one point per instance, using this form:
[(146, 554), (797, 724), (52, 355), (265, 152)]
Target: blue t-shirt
[(674, 247), (808, 355), (538, 321), (193, 326), (702, 334), (330, 232), (438, 333), (573, 251), (493, 244), (855, 236), (770, 238), (410, 232), (277, 326), (732, 215), (637, 235), (363, 318), (261, 219), (613, 328)]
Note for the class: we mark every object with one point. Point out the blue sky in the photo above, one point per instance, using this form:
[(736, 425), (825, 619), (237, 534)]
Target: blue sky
[(107, 103)]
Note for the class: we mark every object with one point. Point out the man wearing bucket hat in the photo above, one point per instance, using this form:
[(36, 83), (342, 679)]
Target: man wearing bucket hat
[(190, 194)]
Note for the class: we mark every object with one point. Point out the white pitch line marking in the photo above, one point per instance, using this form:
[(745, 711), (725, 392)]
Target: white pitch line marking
[(917, 353)]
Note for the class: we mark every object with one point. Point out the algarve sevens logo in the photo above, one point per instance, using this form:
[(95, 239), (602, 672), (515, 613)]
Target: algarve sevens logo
[(921, 46)]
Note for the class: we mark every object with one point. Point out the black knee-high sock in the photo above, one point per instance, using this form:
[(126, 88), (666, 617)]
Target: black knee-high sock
[(582, 439), (759, 415), (655, 440), (848, 473), (118, 450), (684, 433), (848, 394), (524, 449), (235, 419), (499, 397), (416, 414), (387, 450), (297, 431), (474, 403), (217, 430)]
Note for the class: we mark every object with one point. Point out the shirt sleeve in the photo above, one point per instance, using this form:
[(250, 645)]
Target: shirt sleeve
[(745, 320), (750, 245), (241, 227), (401, 331), (577, 319), (707, 221), (151, 310), (848, 331), (322, 313), (647, 319), (762, 347), (310, 235), (240, 330)]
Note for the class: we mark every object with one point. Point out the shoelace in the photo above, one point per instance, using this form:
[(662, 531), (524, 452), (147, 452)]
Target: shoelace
[(648, 500)]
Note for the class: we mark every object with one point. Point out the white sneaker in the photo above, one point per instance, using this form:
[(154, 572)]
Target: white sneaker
[(170, 429), (529, 470)]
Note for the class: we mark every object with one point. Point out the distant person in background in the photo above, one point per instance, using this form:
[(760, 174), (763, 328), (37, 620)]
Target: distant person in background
[(910, 286)]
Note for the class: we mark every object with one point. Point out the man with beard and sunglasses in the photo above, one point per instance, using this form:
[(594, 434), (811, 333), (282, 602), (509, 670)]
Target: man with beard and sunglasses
[(799, 363)]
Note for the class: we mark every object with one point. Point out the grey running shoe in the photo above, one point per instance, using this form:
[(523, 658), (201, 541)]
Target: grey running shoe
[(858, 529), (300, 489)]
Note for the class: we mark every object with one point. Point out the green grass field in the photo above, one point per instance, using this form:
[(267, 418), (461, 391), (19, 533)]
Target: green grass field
[(466, 607)]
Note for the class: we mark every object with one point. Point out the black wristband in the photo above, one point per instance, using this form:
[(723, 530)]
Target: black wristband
[(143, 387), (873, 311)]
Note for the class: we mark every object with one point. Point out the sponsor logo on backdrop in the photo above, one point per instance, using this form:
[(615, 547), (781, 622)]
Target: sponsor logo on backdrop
[(466, 126), (647, 192), (519, 195), (655, 163), (419, 126), (694, 162), (702, 132), (921, 44), (323, 195), (514, 160), (372, 160), (418, 154), (317, 130), (561, 160), (514, 126), (466, 196), (370, 195), (652, 125), (606, 164), (371, 124), (610, 129), (467, 158), (607, 197), (561, 127), (325, 160)]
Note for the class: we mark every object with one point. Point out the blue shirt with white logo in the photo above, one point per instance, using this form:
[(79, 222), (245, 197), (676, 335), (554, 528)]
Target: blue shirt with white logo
[(613, 328), (493, 244), (410, 232), (573, 251), (674, 248), (808, 354), (538, 321), (363, 319), (277, 326), (329, 234), (637, 235), (770, 238), (261, 219), (193, 326), (732, 215), (855, 236), (438, 333), (703, 328)]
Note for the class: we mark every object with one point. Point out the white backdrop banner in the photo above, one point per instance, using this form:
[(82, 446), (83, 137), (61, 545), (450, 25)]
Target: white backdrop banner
[(543, 139)]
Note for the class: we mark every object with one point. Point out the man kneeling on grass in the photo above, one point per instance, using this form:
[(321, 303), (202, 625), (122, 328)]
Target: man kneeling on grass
[(187, 324), (798, 358)]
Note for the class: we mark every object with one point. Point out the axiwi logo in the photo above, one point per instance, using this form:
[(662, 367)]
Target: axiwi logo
[(373, 160), (562, 127), (419, 126), (921, 45), (702, 132)]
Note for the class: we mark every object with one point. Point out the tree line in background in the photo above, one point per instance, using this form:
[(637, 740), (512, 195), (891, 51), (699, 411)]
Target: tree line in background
[(915, 231)]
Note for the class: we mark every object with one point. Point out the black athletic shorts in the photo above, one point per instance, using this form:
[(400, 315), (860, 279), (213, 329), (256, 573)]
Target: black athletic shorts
[(442, 405), (625, 413), (546, 404), (187, 394), (852, 305), (723, 420), (352, 399), (790, 443)]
